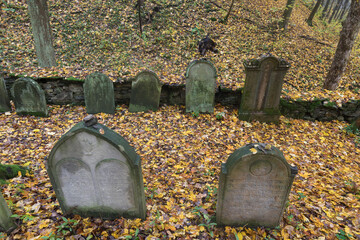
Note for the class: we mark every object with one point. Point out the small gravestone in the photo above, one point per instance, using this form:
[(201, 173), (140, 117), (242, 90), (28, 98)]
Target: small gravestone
[(29, 98), (263, 84), (145, 92), (200, 86), (4, 98), (99, 94), (254, 186), (6, 223), (96, 173)]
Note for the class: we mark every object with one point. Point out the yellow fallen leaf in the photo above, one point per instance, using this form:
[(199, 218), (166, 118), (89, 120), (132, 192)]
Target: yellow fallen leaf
[(253, 150)]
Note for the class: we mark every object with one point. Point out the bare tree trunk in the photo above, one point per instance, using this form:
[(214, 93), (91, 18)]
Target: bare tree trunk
[(345, 9), (325, 9), (39, 17), (139, 3), (228, 13), (287, 13), (347, 39), (312, 14), (336, 8)]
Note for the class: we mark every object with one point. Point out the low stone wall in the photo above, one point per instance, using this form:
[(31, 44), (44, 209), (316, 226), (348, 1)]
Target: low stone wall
[(59, 91)]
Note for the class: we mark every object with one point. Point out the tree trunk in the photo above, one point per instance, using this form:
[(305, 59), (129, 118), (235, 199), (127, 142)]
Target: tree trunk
[(312, 14), (346, 5), (287, 13), (325, 9), (39, 17), (347, 39), (228, 13), (336, 8)]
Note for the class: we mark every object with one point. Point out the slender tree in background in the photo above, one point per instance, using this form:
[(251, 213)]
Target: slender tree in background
[(326, 7), (287, 13), (312, 14), (139, 4), (228, 13), (348, 35), (39, 17)]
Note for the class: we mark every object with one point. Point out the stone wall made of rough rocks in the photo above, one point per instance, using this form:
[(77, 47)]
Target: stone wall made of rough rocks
[(59, 91)]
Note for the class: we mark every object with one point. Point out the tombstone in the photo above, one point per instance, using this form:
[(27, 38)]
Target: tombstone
[(29, 98), (4, 98), (99, 94), (200, 86), (254, 186), (6, 223), (145, 92), (263, 84), (96, 173)]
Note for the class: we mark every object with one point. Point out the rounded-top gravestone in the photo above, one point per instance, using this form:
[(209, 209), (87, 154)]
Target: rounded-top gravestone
[(254, 185), (29, 98), (200, 86), (145, 92), (99, 94)]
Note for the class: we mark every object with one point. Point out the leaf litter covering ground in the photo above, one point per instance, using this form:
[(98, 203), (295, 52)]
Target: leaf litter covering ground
[(181, 157), (104, 36)]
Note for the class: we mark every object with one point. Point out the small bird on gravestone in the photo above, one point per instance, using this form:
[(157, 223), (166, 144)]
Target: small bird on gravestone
[(207, 44)]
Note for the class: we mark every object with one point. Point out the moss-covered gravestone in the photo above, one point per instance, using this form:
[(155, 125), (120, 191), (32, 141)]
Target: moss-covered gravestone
[(263, 85), (99, 94), (6, 223), (254, 186), (200, 86), (145, 92), (96, 173), (29, 98), (4, 98)]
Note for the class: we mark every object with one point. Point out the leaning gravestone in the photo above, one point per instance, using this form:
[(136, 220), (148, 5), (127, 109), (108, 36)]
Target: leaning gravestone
[(29, 98), (96, 173), (4, 98), (6, 223), (145, 92), (99, 94), (254, 185), (263, 84), (200, 86)]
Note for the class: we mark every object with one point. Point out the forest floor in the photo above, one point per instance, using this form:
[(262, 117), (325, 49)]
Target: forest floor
[(181, 153)]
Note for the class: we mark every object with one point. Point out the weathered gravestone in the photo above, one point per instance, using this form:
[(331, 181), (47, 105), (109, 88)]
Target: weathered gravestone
[(99, 94), (200, 86), (145, 92), (263, 84), (254, 186), (29, 98), (4, 98), (6, 223), (96, 173)]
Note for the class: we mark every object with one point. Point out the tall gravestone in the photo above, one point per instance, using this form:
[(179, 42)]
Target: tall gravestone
[(96, 173), (254, 186), (6, 223), (263, 85), (29, 98), (4, 98), (200, 86), (99, 94), (145, 92)]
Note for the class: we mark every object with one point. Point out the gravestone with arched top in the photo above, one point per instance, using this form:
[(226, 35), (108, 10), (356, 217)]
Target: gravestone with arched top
[(99, 94), (263, 85), (200, 86), (29, 98), (145, 92), (96, 173), (254, 186)]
